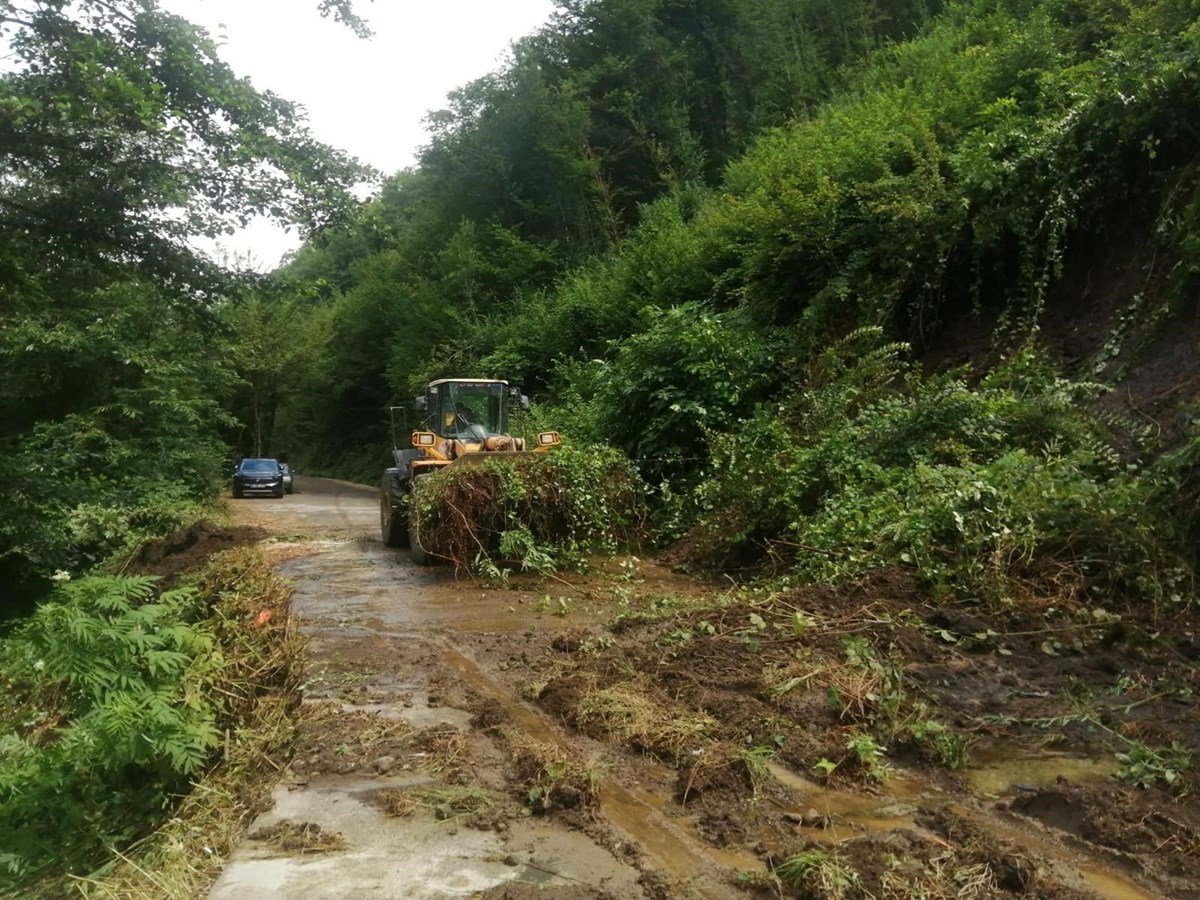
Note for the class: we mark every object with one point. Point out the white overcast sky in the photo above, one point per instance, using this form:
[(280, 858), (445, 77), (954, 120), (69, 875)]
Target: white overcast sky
[(368, 97)]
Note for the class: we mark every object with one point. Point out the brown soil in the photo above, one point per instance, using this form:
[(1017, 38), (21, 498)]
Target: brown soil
[(1139, 825), (1116, 283), (535, 892), (339, 741), (1082, 684), (188, 548), (305, 837)]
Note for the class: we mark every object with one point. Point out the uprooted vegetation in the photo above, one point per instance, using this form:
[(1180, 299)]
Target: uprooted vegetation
[(118, 696), (299, 837), (801, 721), (835, 680), (446, 802), (728, 689), (538, 512), (553, 776)]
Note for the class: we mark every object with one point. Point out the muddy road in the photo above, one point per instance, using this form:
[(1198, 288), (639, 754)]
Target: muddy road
[(401, 785), (621, 735)]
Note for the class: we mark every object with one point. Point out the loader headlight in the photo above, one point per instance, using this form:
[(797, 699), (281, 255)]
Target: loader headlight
[(423, 438), (547, 438)]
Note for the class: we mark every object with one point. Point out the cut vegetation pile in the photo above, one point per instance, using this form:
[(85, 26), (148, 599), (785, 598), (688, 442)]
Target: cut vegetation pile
[(539, 512)]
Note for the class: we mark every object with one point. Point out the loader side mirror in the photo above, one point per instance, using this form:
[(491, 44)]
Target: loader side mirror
[(523, 402), (420, 404)]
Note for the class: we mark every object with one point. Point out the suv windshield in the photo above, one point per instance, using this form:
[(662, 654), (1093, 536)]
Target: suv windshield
[(260, 466)]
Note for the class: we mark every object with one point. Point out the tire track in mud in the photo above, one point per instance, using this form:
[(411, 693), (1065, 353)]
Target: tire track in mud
[(628, 809)]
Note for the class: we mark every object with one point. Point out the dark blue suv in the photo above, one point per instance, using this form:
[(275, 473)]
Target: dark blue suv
[(258, 476)]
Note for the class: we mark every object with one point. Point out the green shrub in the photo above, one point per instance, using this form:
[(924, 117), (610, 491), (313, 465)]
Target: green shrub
[(688, 372), (114, 697), (983, 490)]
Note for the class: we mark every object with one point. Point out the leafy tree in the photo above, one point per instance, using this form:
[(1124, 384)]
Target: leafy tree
[(175, 145), (123, 136), (267, 350), (343, 11)]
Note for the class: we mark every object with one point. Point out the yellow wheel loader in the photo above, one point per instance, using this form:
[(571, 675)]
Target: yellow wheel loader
[(460, 421)]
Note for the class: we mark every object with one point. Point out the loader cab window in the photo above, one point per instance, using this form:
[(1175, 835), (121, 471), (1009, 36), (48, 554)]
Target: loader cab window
[(468, 411)]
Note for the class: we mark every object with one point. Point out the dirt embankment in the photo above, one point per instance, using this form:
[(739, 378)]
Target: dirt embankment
[(634, 733), (189, 548)]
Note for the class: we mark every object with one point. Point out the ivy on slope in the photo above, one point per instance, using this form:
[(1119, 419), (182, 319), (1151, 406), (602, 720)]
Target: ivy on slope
[(956, 171), (956, 166), (950, 170)]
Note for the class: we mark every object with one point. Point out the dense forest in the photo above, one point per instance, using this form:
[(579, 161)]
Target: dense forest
[(856, 277), (852, 284), (123, 137), (722, 237)]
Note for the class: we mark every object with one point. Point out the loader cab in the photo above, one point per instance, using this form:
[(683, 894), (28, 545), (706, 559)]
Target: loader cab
[(467, 409)]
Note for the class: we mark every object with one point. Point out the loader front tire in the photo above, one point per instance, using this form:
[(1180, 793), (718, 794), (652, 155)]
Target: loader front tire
[(392, 527), (419, 556)]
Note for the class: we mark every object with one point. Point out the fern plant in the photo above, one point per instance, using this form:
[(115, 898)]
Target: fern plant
[(105, 718)]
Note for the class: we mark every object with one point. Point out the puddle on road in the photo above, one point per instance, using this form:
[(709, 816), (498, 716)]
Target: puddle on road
[(413, 858), (365, 586), (997, 771), (1104, 880), (1111, 886), (852, 815)]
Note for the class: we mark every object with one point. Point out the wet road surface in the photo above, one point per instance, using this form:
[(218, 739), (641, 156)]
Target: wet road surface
[(399, 637)]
